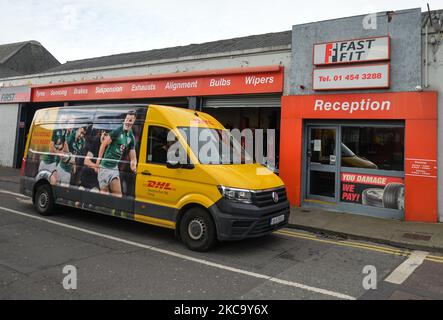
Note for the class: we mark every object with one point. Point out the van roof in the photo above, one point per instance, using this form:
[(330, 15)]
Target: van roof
[(180, 117)]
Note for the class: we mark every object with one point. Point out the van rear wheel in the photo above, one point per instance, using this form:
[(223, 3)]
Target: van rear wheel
[(197, 230), (44, 200)]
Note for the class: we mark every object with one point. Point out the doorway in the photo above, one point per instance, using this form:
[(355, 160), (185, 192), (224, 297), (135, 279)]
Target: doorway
[(355, 167), (322, 163)]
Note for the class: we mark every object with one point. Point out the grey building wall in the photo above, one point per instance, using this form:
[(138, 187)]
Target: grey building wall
[(8, 125), (404, 27)]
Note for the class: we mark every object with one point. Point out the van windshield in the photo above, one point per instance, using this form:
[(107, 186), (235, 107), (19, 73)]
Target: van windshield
[(215, 146)]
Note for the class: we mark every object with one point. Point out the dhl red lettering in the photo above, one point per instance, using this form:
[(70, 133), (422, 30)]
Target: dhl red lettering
[(159, 185), (168, 187), (151, 184)]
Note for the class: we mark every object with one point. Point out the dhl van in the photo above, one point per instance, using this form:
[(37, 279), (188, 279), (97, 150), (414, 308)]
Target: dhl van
[(117, 160)]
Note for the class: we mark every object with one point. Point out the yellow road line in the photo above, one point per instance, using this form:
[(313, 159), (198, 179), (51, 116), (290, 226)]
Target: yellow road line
[(348, 243), (434, 260), (344, 241), (345, 244), (397, 252)]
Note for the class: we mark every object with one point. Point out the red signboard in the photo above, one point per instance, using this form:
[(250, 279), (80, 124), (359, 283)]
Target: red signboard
[(239, 81)]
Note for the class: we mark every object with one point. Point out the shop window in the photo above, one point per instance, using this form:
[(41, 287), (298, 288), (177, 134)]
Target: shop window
[(373, 148)]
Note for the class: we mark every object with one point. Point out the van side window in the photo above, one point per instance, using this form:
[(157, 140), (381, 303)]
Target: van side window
[(157, 145)]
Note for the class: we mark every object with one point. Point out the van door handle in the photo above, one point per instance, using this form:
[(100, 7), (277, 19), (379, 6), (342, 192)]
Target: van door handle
[(146, 173)]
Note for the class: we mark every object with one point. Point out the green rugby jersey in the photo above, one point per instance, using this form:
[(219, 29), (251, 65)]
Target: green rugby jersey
[(75, 147), (58, 138), (121, 141)]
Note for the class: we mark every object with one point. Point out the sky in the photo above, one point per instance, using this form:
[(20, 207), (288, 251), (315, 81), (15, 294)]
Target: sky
[(80, 29)]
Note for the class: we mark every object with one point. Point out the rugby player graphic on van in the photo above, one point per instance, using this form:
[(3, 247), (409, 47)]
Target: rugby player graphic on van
[(57, 146), (112, 148), (57, 149), (67, 166)]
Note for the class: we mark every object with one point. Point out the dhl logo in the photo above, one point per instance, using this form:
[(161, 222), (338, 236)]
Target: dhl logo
[(159, 185)]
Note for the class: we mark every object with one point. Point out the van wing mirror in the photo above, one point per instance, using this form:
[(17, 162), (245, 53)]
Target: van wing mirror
[(173, 164)]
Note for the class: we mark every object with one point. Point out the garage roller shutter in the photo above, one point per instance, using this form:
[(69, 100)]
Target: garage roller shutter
[(250, 101)]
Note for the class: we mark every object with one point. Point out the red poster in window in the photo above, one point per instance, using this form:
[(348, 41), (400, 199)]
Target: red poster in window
[(373, 190)]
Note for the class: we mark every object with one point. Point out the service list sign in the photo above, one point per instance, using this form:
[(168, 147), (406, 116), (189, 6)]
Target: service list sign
[(352, 51), (259, 82)]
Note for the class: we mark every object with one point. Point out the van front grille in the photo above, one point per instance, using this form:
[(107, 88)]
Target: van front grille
[(265, 199)]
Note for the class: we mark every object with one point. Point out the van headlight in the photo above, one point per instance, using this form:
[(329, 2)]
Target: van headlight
[(240, 195)]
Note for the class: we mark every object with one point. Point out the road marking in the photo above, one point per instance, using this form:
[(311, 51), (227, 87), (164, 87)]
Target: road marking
[(27, 201), (343, 243), (397, 252), (188, 258), (13, 193), (403, 271)]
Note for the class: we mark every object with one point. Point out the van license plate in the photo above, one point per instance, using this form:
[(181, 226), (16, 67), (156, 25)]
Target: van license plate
[(277, 220)]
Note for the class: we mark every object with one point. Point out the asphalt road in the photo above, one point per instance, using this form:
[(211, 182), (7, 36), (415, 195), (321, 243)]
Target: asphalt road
[(120, 259)]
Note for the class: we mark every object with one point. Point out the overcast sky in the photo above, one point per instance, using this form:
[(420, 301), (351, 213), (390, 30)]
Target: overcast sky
[(79, 29)]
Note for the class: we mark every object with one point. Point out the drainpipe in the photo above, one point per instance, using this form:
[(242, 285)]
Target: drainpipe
[(426, 57)]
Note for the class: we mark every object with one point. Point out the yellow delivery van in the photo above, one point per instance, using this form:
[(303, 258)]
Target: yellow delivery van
[(165, 166)]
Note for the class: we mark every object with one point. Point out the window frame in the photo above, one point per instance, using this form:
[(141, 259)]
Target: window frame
[(148, 140)]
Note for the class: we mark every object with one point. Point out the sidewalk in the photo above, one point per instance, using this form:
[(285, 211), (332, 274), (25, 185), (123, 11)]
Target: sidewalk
[(9, 175), (410, 235)]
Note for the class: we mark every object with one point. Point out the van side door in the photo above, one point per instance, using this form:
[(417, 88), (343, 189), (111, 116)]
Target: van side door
[(159, 188)]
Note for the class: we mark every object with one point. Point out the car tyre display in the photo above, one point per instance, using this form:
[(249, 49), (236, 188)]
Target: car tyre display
[(197, 230), (44, 200), (393, 196), (372, 197)]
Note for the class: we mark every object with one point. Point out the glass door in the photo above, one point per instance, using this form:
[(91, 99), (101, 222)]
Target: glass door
[(322, 163)]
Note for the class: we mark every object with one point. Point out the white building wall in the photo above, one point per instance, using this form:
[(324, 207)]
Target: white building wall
[(434, 81), (8, 127)]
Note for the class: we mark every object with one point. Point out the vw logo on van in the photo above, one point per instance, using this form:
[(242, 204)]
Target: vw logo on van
[(275, 197)]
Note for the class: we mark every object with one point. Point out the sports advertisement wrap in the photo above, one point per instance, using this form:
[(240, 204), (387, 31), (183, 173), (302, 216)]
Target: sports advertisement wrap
[(82, 150), (373, 190)]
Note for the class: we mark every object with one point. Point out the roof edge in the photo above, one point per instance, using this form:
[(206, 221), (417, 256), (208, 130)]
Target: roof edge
[(153, 62)]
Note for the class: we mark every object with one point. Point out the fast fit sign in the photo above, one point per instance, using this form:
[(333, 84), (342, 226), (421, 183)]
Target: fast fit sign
[(15, 94), (266, 80), (352, 51), (366, 76)]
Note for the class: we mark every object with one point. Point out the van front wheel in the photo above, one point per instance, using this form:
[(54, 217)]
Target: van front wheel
[(43, 200), (197, 230)]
